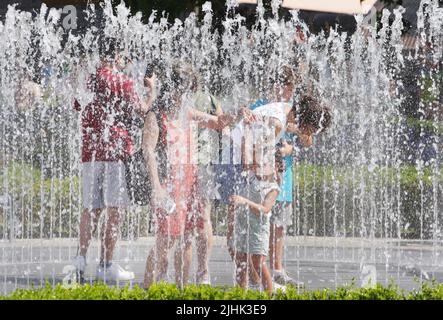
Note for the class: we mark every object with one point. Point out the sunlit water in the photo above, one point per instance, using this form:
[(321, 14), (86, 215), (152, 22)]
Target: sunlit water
[(375, 178)]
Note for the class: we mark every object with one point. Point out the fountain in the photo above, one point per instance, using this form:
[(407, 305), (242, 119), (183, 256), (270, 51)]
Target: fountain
[(369, 193)]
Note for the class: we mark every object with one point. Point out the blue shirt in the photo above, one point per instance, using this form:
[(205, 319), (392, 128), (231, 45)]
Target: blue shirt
[(287, 177)]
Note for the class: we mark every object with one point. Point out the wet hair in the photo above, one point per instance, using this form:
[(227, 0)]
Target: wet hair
[(249, 13), (286, 76), (181, 80), (309, 111), (325, 21), (109, 48)]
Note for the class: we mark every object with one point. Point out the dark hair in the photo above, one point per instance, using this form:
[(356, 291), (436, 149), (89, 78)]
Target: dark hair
[(149, 72), (181, 80), (283, 77), (109, 48), (310, 111), (183, 77), (286, 76)]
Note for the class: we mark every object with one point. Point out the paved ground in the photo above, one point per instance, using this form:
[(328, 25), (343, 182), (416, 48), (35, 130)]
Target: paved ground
[(318, 262)]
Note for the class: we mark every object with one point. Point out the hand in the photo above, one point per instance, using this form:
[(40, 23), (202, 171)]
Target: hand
[(247, 114), (237, 200), (159, 197), (286, 149), (299, 35), (225, 120), (305, 139)]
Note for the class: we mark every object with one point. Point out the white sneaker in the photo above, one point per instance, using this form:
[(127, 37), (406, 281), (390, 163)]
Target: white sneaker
[(79, 263), (114, 273)]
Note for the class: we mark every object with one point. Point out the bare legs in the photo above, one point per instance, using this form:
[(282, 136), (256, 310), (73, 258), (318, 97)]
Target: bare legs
[(183, 259), (243, 262), (157, 261), (109, 234), (276, 247), (88, 224), (261, 268), (204, 240), (254, 277), (230, 231), (149, 269)]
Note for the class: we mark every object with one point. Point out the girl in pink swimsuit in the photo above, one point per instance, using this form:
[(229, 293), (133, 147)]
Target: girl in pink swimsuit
[(181, 175), (176, 140)]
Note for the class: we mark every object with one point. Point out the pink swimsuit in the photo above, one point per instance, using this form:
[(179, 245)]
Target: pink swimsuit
[(181, 176)]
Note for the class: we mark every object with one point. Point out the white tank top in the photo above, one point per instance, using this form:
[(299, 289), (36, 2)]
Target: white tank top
[(272, 110)]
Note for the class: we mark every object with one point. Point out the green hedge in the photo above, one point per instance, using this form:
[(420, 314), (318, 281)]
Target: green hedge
[(44, 207), (358, 202), (330, 200), (48, 207), (162, 291)]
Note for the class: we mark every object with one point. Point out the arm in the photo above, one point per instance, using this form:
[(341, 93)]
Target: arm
[(141, 106), (145, 105), (271, 122), (222, 120), (152, 93), (258, 208), (212, 122), (218, 107), (150, 138)]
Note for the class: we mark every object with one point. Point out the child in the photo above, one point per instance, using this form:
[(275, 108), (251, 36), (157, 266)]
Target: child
[(168, 136), (251, 228), (311, 118)]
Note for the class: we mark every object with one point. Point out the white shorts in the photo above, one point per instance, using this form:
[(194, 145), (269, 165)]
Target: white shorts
[(104, 185)]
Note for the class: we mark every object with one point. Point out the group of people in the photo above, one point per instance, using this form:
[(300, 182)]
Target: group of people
[(193, 153)]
